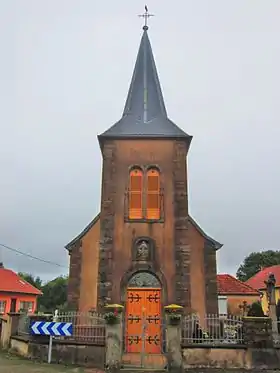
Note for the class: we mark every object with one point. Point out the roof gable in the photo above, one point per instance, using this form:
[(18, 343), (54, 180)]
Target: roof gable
[(258, 280), (229, 285), (215, 244), (13, 283)]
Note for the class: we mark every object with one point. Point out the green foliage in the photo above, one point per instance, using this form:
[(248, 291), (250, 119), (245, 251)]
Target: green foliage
[(111, 317), (35, 281), (54, 292), (254, 262), (256, 310), (278, 314), (278, 310)]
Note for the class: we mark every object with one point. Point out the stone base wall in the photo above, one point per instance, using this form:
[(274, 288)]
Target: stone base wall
[(219, 358), (258, 332), (63, 352), (239, 358)]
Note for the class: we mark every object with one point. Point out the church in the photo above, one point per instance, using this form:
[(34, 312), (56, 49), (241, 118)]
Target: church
[(144, 246)]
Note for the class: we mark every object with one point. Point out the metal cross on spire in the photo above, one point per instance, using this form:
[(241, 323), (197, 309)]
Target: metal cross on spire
[(146, 16)]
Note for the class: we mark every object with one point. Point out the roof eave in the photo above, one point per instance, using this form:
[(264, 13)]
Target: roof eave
[(214, 244), (22, 292), (103, 137), (238, 293), (70, 245)]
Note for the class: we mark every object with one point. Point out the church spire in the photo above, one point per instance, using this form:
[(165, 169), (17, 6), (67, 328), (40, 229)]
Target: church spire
[(144, 114), (145, 99)]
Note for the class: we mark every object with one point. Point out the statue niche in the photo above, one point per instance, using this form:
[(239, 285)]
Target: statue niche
[(143, 250)]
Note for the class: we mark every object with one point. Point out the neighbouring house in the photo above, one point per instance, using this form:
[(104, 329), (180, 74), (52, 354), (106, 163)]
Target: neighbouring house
[(258, 282), (15, 293), (232, 295)]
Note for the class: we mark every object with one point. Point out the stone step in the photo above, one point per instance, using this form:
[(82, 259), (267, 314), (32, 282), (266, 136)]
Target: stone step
[(148, 361), (140, 370)]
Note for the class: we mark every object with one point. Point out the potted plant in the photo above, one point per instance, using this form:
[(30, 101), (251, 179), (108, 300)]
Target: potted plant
[(174, 318), (112, 316), (174, 312)]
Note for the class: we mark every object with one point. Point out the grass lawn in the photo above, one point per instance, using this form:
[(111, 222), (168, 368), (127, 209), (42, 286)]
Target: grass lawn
[(13, 364)]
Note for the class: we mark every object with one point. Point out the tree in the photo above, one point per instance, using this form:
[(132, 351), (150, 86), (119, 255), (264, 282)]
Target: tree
[(54, 294), (254, 262), (278, 314), (256, 310), (35, 281)]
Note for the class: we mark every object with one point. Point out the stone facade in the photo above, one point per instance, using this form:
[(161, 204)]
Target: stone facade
[(75, 275), (181, 241), (210, 279), (106, 255)]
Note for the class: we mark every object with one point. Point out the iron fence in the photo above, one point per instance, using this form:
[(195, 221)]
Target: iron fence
[(87, 326), (213, 330)]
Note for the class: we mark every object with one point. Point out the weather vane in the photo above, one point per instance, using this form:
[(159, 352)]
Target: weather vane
[(146, 16)]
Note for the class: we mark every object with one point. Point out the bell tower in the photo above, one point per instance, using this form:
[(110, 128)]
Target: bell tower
[(144, 201)]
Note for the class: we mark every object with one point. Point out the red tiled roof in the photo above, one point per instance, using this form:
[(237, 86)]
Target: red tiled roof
[(257, 281), (12, 283), (228, 284)]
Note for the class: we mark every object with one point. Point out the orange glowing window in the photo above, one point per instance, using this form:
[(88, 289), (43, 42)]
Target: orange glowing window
[(135, 194), (153, 195)]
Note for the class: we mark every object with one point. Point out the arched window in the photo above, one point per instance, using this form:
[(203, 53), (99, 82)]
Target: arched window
[(135, 194), (153, 195)]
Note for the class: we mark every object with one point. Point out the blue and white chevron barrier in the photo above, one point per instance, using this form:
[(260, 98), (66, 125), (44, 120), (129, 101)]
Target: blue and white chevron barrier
[(59, 329)]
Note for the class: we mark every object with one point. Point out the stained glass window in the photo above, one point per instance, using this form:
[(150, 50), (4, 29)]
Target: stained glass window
[(153, 195), (144, 279), (135, 194)]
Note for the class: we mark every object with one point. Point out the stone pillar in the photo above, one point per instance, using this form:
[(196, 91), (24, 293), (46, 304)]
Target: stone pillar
[(174, 350), (258, 332), (10, 324), (173, 315), (270, 293), (114, 338)]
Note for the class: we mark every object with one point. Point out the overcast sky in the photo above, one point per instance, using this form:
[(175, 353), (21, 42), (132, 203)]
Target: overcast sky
[(65, 68)]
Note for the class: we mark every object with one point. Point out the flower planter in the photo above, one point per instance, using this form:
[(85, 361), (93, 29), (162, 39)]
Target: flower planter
[(174, 320), (111, 319), (173, 312), (112, 316)]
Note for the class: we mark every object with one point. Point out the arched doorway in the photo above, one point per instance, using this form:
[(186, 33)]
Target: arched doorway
[(143, 322)]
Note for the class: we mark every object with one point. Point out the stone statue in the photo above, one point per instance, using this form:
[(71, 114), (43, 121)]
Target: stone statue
[(270, 289), (270, 293), (142, 252)]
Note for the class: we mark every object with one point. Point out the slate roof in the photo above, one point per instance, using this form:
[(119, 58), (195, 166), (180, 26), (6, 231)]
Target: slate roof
[(12, 283), (144, 114), (216, 245), (257, 281), (229, 285)]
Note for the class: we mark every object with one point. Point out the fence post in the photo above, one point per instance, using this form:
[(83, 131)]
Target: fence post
[(10, 324), (258, 332), (174, 341)]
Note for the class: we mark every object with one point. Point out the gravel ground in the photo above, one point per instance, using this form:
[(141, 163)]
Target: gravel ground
[(13, 364)]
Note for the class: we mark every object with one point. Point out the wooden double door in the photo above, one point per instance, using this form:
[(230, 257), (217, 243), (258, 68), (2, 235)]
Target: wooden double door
[(144, 329)]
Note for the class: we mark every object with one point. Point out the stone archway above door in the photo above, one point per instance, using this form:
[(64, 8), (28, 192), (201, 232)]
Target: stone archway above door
[(143, 279)]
